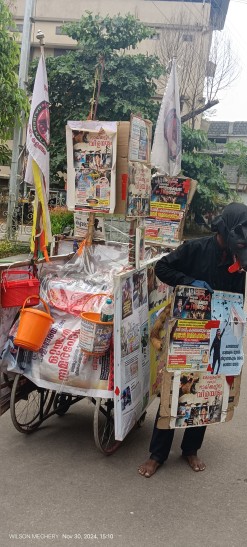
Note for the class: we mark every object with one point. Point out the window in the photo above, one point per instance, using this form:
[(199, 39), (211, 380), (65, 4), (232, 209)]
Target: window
[(59, 30)]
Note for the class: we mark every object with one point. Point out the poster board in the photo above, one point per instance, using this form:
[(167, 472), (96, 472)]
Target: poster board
[(136, 375), (170, 200), (206, 332), (91, 162), (133, 153)]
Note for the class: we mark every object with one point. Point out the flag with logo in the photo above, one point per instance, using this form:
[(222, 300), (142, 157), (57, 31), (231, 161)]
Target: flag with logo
[(38, 140), (166, 150)]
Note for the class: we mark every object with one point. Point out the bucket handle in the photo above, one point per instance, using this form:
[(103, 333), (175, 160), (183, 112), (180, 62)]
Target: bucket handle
[(94, 296), (38, 298)]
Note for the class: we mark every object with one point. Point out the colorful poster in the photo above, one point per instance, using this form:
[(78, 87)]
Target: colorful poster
[(91, 158), (163, 232), (226, 340), (168, 194), (139, 188), (198, 399), (206, 332)]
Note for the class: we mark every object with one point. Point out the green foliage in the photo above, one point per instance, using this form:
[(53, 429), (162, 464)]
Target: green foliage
[(10, 248), (60, 218), (236, 154), (128, 80), (12, 99), (213, 189)]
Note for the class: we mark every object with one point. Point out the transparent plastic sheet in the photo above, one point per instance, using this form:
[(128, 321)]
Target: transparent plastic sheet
[(67, 287)]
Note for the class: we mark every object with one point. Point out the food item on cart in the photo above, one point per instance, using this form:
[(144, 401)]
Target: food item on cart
[(107, 311)]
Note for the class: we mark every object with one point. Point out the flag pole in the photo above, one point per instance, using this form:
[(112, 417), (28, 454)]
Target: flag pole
[(39, 237)]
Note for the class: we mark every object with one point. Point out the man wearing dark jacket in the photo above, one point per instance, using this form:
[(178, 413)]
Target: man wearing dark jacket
[(204, 263)]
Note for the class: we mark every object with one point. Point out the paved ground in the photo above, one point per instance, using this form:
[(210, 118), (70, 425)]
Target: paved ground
[(56, 482)]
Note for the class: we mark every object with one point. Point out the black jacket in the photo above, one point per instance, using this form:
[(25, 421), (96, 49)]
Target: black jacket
[(200, 259)]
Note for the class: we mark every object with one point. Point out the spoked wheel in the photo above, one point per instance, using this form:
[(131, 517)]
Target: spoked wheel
[(29, 404), (103, 426), (61, 403)]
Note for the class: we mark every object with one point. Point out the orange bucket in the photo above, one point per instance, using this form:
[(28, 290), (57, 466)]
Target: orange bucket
[(95, 335), (33, 327)]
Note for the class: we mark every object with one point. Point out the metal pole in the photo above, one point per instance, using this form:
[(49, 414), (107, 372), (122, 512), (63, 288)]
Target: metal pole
[(14, 182)]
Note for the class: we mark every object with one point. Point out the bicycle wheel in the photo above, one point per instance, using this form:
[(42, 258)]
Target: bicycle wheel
[(62, 403), (29, 404), (103, 426)]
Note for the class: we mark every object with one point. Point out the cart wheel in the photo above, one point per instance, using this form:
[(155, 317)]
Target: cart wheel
[(103, 426), (62, 403), (29, 404), (141, 420)]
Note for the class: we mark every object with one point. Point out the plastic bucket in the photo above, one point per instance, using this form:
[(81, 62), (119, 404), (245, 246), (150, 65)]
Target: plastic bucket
[(95, 336), (33, 327)]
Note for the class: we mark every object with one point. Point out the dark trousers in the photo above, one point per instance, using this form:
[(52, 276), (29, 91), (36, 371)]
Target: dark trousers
[(161, 441), (216, 358)]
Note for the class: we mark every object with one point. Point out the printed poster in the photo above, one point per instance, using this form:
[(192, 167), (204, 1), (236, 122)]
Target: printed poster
[(206, 332), (168, 193), (163, 232), (139, 188), (131, 351), (91, 158), (81, 221), (198, 399)]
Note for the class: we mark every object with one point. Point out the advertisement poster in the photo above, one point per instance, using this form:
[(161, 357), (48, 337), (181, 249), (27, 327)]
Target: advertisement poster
[(198, 399), (206, 332), (91, 158), (60, 364), (226, 341), (81, 220), (140, 140), (139, 188), (168, 194), (163, 232)]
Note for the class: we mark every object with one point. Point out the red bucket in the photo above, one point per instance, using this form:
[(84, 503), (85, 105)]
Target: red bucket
[(15, 291)]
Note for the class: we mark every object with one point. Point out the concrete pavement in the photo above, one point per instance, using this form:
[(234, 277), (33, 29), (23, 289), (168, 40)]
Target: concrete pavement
[(57, 489)]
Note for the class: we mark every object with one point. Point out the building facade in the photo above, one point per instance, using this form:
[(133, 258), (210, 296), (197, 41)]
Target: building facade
[(187, 24)]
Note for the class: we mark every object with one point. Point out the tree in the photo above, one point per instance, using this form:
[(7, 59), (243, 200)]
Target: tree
[(213, 189), (206, 65), (236, 155), (127, 85), (13, 101)]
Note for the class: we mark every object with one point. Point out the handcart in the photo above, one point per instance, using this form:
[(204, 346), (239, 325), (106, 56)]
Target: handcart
[(31, 404)]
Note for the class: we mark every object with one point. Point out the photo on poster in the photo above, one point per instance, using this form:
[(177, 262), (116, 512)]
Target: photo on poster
[(126, 398), (127, 297), (200, 399), (139, 289), (130, 337), (191, 303), (169, 192), (226, 341)]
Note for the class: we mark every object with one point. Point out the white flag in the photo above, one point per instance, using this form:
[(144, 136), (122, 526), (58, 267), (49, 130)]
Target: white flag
[(166, 150), (237, 323), (38, 140), (38, 131)]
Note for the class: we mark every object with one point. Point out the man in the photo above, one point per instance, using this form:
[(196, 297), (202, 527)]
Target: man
[(216, 350), (202, 262)]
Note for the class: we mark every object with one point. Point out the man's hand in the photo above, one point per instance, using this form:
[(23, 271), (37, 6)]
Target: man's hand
[(202, 285)]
